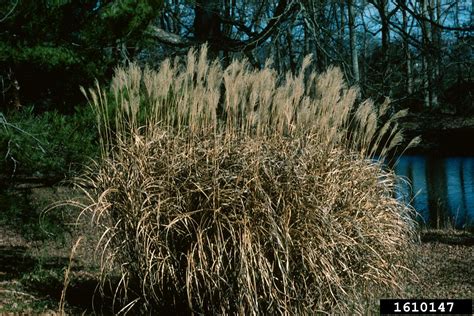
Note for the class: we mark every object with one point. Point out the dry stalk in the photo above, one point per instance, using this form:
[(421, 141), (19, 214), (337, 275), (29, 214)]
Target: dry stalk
[(271, 207), (62, 301)]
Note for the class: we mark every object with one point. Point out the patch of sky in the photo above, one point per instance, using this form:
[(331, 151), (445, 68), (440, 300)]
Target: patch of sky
[(452, 13)]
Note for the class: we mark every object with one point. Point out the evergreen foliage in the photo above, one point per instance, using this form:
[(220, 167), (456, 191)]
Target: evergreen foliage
[(52, 47), (46, 144)]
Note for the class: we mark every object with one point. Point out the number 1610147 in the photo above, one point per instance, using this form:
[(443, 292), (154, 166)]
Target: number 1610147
[(424, 307), (421, 306)]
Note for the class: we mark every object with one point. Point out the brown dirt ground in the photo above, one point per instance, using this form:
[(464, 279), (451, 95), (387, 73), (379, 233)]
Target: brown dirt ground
[(444, 266)]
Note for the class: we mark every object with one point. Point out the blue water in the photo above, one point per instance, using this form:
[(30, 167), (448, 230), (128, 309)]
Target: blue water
[(441, 189)]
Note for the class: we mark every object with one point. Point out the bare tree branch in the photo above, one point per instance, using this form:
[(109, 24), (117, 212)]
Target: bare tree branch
[(9, 12), (168, 37), (423, 18), (283, 10)]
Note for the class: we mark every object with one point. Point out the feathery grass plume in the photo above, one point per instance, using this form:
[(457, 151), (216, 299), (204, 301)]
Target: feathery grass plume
[(271, 208)]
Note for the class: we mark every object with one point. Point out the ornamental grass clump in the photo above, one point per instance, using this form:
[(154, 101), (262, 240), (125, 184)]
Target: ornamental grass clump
[(260, 200)]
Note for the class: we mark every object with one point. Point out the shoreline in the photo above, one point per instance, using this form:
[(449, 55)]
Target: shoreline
[(442, 134)]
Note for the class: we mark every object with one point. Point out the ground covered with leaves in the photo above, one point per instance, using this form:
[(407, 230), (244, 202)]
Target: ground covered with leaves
[(444, 265)]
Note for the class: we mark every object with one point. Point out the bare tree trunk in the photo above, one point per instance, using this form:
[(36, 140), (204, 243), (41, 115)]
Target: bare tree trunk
[(435, 14), (207, 24), (277, 54), (365, 49), (431, 41), (426, 59), (383, 11), (342, 24), (382, 8), (456, 21), (316, 25), (229, 13), (291, 58), (306, 45), (406, 47), (353, 42), (472, 12), (176, 25)]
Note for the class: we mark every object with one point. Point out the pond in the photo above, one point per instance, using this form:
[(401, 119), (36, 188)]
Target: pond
[(441, 189)]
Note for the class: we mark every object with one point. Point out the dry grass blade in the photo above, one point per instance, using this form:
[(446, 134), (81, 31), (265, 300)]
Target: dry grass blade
[(268, 207), (62, 301)]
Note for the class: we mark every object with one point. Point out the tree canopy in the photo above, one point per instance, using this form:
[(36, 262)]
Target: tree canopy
[(49, 48), (413, 52)]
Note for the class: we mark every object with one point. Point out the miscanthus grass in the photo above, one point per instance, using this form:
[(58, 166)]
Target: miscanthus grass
[(237, 191)]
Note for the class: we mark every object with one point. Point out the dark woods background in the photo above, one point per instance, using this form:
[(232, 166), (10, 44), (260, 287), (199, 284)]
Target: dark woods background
[(418, 53)]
